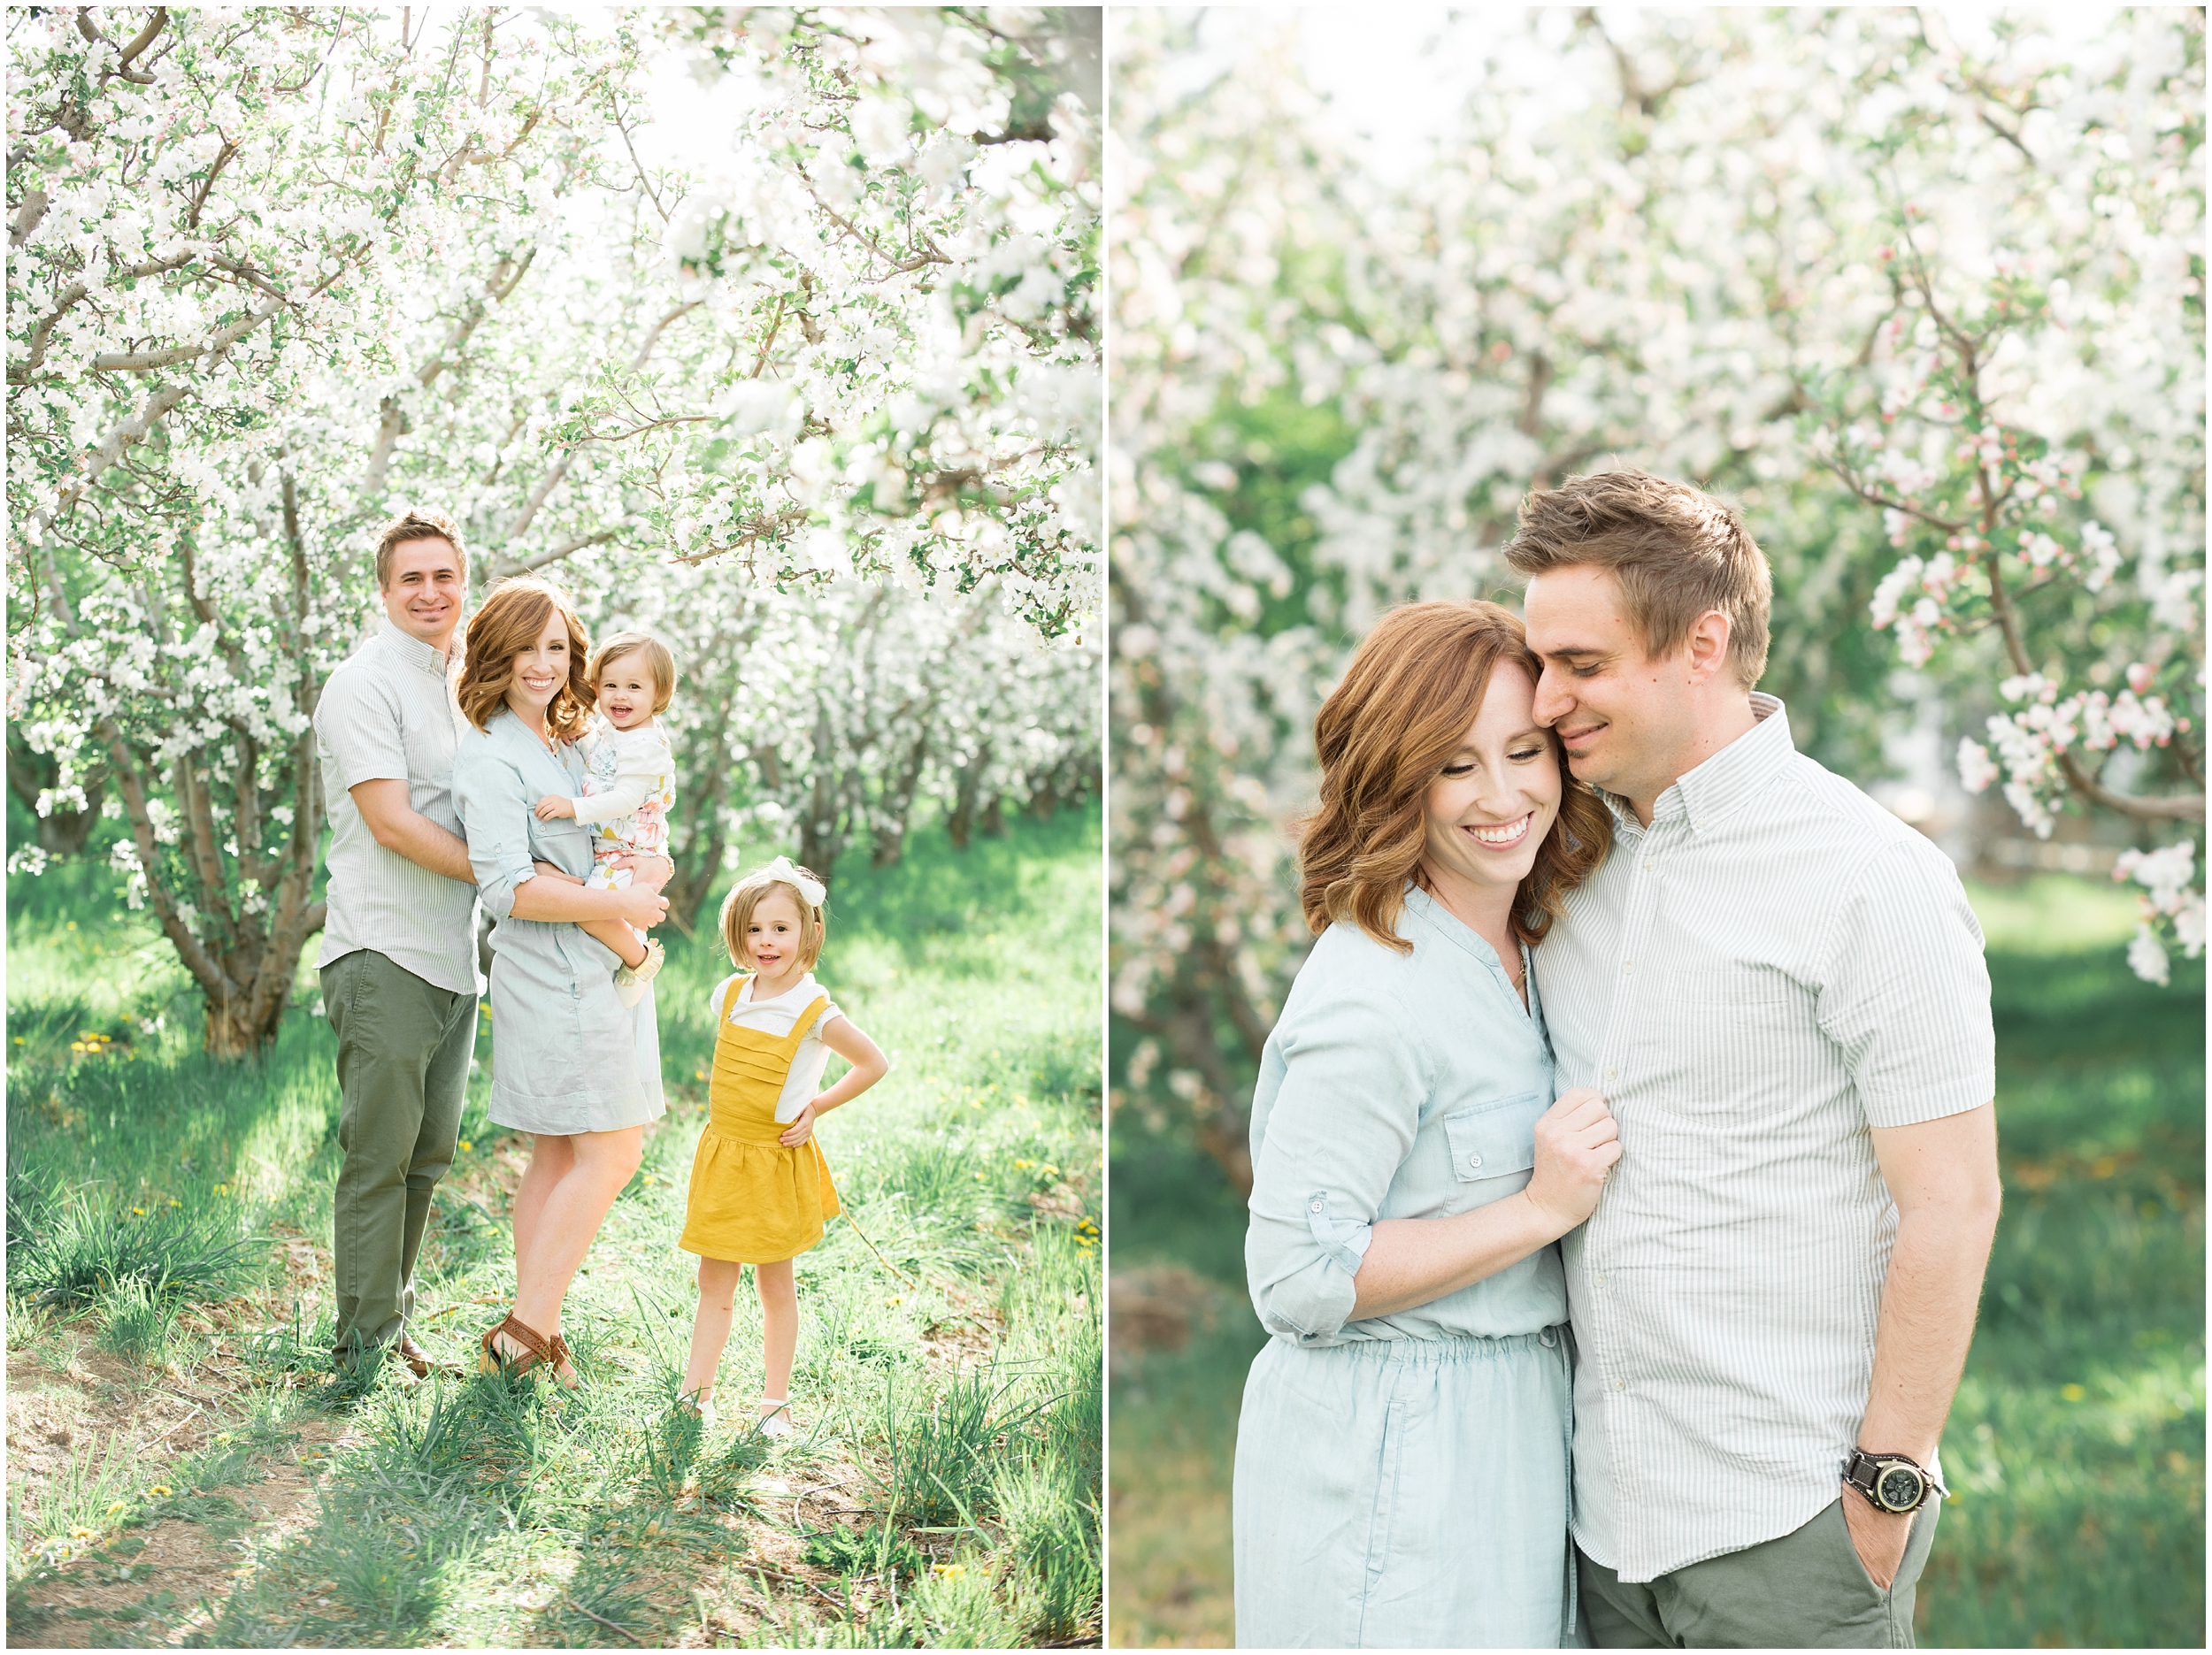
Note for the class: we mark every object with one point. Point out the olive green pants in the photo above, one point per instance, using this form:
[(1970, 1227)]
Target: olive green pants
[(1806, 1590), (404, 1051)]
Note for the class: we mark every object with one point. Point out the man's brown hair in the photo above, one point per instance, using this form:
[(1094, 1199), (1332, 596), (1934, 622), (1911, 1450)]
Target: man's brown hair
[(1676, 551), (1384, 735), (416, 524), (659, 660), (511, 620), (747, 894)]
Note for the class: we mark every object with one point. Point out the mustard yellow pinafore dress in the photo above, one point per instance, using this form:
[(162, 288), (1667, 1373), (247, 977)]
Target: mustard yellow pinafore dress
[(753, 1199)]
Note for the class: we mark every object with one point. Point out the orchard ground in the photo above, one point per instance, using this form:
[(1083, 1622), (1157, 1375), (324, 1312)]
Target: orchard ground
[(2075, 1451), (183, 1469)]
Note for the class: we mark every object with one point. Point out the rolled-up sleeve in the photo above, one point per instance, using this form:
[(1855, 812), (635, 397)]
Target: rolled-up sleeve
[(490, 799), (1350, 1073), (1904, 991)]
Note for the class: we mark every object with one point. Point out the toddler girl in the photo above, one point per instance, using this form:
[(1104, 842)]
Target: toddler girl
[(629, 787), (760, 1189)]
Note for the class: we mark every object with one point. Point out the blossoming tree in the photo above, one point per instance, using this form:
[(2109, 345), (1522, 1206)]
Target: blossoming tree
[(274, 273), (1661, 246)]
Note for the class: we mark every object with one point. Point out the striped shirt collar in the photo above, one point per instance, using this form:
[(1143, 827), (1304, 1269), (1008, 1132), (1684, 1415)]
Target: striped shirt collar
[(411, 650), (1738, 773)]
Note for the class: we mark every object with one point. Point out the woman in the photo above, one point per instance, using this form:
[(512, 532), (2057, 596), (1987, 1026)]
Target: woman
[(570, 1065), (1401, 1467)]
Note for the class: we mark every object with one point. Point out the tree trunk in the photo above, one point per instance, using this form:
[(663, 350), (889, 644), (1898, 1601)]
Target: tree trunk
[(960, 825), (994, 817)]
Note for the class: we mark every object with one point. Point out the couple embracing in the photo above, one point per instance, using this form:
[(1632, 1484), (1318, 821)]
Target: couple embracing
[(1624, 1158)]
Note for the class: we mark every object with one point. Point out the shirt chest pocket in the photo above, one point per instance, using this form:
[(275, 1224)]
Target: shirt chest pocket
[(566, 844), (1494, 1143)]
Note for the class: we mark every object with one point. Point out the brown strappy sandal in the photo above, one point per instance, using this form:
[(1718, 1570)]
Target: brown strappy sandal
[(538, 1351), (564, 1361)]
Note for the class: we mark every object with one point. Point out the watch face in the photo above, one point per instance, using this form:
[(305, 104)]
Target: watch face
[(1898, 1488)]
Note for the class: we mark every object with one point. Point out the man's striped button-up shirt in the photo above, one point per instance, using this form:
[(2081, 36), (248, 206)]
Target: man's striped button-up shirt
[(1772, 968)]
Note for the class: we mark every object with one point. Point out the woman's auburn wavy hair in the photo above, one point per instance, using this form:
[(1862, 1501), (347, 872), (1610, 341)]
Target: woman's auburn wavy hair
[(509, 623), (1385, 734)]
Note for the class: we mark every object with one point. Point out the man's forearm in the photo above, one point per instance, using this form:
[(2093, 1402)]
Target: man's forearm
[(426, 845), (1925, 1324)]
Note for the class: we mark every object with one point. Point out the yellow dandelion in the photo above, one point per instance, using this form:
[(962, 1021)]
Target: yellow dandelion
[(950, 1571), (466, 1146), (159, 1491), (894, 1301), (1050, 1171), (138, 1212), (71, 926), (2072, 1393), (115, 1507), (174, 1202), (81, 1534), (978, 1177)]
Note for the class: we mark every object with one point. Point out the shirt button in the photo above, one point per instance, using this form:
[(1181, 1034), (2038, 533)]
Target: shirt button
[(1620, 1384), (1316, 1205), (1651, 867), (1612, 1074), (1474, 1160), (1628, 965), (1600, 1281)]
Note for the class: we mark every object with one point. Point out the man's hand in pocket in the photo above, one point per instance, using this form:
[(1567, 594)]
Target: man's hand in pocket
[(1879, 1537)]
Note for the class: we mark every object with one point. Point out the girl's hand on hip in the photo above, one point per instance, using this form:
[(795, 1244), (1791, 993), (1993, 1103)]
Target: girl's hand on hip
[(1577, 1141), (552, 808), (800, 1130)]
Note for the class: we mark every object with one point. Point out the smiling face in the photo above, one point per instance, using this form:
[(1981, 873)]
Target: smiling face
[(1488, 810), (772, 935), (627, 690), (428, 586), (539, 670), (1625, 718)]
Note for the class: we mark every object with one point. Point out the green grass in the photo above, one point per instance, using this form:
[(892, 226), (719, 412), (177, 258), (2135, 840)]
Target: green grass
[(2076, 1447), (944, 1485)]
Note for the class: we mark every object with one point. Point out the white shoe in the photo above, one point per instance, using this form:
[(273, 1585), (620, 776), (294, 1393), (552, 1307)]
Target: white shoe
[(630, 981), (703, 1406), (775, 1417)]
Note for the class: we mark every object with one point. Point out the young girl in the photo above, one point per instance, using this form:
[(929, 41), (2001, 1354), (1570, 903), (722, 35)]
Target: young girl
[(760, 1189), (629, 788)]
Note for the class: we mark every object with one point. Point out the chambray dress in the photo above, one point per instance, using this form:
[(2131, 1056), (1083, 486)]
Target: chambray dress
[(1401, 1481), (567, 1055)]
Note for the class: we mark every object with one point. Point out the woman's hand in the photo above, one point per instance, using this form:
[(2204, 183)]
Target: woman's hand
[(652, 872), (642, 906), (800, 1130), (1576, 1143), (552, 808), (547, 871)]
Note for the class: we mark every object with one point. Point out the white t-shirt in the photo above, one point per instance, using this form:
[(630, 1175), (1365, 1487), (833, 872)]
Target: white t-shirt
[(775, 1018)]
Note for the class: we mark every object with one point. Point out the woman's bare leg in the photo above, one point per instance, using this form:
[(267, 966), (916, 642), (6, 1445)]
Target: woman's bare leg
[(710, 1331), (779, 1321), (550, 1159), (567, 1222)]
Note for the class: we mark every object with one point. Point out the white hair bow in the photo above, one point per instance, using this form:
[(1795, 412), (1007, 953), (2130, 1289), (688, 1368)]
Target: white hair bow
[(782, 872)]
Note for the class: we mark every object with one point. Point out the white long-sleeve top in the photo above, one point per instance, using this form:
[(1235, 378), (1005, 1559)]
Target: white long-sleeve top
[(629, 788)]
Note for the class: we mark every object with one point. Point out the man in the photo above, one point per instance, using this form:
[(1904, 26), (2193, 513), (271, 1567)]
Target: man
[(398, 954), (1779, 988)]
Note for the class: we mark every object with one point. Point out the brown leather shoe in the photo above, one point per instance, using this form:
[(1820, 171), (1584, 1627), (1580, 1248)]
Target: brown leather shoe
[(418, 1361)]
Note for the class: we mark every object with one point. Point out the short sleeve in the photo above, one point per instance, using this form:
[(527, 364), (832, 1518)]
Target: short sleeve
[(718, 1000), (489, 798), (1347, 1106), (358, 721), (1904, 991)]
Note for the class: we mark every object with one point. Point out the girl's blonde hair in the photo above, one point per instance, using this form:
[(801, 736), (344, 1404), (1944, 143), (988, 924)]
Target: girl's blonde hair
[(745, 896), (1411, 692), (659, 660), (511, 620)]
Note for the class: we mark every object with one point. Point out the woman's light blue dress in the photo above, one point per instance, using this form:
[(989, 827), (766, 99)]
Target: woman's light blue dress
[(1401, 1481), (567, 1055)]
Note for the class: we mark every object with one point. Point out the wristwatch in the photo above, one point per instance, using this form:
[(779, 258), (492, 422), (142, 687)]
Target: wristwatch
[(1890, 1483)]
